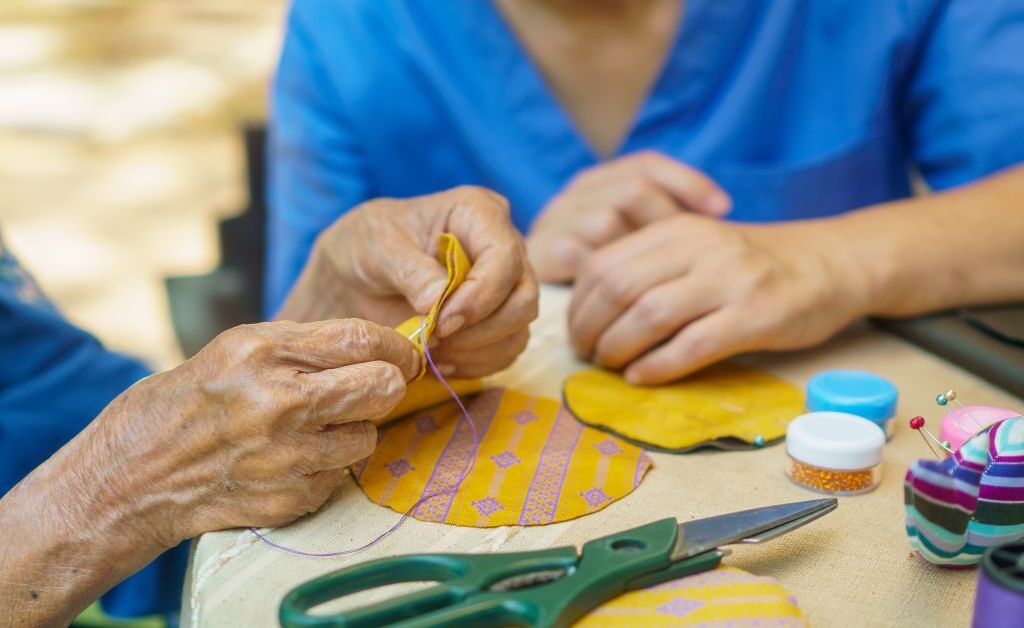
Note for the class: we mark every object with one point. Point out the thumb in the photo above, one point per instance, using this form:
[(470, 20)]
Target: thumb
[(418, 277)]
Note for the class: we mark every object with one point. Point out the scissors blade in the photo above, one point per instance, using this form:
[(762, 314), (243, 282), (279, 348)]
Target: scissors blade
[(750, 526)]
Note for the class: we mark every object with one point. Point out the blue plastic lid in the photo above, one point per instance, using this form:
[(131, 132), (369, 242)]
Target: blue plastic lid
[(856, 392)]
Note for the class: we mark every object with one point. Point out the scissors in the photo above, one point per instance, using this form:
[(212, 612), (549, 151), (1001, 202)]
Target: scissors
[(552, 587)]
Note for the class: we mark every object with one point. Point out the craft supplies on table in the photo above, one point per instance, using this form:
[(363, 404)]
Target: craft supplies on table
[(835, 452), (999, 600), (726, 406), (959, 424), (551, 587), (973, 499), (855, 392), (525, 460)]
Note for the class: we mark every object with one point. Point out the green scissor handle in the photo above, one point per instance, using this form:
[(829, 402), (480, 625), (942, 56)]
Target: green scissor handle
[(551, 587)]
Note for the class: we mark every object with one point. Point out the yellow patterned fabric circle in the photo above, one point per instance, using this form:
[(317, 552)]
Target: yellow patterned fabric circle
[(726, 406), (722, 597), (536, 463)]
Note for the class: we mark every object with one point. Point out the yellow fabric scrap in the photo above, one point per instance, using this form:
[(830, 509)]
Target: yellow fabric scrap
[(536, 464), (725, 401), (722, 597), (428, 391)]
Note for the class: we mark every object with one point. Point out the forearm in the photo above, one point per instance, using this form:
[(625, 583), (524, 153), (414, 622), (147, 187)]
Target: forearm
[(950, 249), (66, 540)]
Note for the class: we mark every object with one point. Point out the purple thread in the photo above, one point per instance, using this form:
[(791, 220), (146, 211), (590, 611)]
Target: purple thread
[(380, 537)]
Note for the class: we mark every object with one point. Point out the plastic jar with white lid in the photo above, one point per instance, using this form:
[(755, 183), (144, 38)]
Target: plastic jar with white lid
[(835, 452)]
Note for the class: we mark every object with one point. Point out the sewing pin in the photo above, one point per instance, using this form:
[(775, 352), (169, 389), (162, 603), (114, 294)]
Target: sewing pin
[(917, 424)]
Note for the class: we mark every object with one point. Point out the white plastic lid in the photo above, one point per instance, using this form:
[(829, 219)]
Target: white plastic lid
[(835, 440)]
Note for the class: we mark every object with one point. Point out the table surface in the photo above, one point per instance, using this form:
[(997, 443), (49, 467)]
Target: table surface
[(852, 567)]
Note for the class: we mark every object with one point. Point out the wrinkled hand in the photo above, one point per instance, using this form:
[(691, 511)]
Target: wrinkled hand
[(611, 200), (378, 262), (690, 291), (256, 429)]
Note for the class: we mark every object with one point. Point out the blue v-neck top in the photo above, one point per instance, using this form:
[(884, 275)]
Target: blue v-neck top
[(798, 109)]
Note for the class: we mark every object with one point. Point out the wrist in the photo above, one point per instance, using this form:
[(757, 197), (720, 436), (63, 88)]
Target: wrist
[(68, 545)]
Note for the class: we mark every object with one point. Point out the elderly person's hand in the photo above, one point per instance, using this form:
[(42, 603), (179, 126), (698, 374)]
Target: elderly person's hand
[(611, 200), (255, 430), (378, 262), (687, 292)]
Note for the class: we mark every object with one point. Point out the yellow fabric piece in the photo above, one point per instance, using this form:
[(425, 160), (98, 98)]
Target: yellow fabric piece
[(718, 405), (451, 254), (536, 464), (722, 597), (427, 391)]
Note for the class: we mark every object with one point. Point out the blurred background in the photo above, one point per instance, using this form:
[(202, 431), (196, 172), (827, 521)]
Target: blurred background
[(120, 148)]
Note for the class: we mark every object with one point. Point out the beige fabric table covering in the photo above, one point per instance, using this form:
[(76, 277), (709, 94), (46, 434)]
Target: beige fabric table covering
[(854, 567)]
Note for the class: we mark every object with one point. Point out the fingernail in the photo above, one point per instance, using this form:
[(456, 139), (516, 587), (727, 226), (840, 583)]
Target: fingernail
[(719, 204), (446, 369), (451, 325)]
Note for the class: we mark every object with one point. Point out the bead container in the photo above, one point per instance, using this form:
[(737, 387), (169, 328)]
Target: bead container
[(856, 392), (834, 452)]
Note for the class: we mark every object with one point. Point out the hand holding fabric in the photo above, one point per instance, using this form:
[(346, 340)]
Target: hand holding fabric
[(255, 430), (611, 200), (379, 262), (687, 292)]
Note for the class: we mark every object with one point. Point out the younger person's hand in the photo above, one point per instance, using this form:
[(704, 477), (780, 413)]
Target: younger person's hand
[(610, 201), (687, 292)]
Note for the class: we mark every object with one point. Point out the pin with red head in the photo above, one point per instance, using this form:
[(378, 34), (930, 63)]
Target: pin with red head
[(917, 424)]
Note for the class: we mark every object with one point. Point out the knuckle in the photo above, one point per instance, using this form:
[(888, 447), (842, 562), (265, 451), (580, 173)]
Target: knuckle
[(617, 293), (652, 312), (363, 336), (392, 383), (697, 343), (249, 343), (480, 196)]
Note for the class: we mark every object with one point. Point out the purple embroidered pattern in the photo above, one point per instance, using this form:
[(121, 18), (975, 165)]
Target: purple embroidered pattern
[(456, 457), (524, 417), (398, 468), (643, 463), (595, 497), (608, 447), (506, 459), (425, 424), (546, 487), (487, 506), (680, 607)]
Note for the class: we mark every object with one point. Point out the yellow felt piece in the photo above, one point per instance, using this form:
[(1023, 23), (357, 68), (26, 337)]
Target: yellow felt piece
[(428, 391), (718, 405), (536, 464), (722, 597), (451, 254)]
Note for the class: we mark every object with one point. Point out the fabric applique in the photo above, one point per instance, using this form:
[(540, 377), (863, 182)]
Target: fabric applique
[(722, 597), (427, 391), (536, 464), (960, 506), (725, 406)]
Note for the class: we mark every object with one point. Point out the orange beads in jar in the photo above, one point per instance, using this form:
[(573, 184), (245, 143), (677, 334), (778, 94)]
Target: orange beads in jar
[(835, 452)]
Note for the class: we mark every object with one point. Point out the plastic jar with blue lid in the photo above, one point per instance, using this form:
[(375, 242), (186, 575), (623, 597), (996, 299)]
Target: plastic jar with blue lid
[(854, 392)]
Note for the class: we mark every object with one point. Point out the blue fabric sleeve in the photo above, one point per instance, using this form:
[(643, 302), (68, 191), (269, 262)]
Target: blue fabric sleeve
[(316, 167), (54, 379), (965, 99)]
